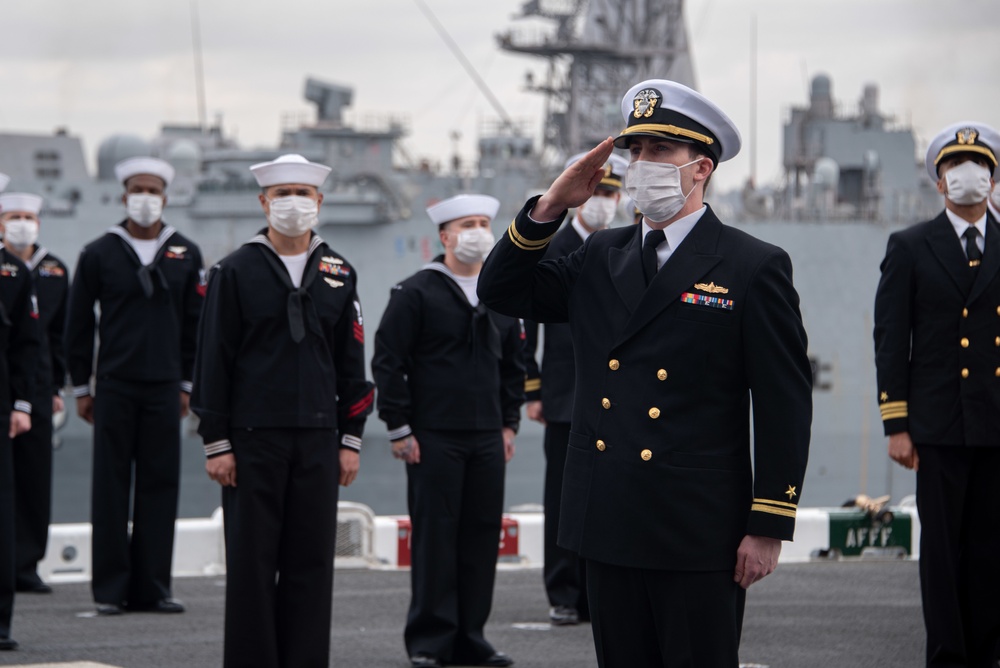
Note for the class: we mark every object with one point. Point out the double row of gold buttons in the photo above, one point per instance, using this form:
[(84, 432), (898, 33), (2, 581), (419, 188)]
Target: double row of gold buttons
[(654, 412)]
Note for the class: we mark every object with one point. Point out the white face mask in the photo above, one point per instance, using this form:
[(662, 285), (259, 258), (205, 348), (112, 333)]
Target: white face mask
[(655, 187), (144, 210), (474, 245), (20, 233), (598, 212), (968, 183), (293, 216)]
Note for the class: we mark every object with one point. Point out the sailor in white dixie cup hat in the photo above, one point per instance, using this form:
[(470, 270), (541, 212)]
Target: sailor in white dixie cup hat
[(676, 323), (451, 383), (281, 391), (937, 357), (19, 371), (147, 278), (19, 224)]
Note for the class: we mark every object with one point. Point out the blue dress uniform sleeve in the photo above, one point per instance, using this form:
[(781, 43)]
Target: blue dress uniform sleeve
[(355, 394), (24, 344), (57, 324), (532, 372), (194, 291), (80, 322), (893, 328), (512, 375), (780, 381), (515, 282), (218, 342), (395, 340)]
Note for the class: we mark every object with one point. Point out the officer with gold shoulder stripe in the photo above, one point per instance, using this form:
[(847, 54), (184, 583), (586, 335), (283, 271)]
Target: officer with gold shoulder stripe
[(677, 322), (937, 352)]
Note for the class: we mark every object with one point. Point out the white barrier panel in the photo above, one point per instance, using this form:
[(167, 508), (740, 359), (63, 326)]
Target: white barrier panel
[(367, 541)]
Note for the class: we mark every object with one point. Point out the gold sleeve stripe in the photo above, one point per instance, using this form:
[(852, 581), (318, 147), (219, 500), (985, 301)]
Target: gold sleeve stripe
[(776, 503), (894, 416), (774, 511), (892, 405), (532, 384), (527, 244)]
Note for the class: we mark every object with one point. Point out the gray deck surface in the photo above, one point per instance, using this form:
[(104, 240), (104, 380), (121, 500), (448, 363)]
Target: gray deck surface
[(815, 615)]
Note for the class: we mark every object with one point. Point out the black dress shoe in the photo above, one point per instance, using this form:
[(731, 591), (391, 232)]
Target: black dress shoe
[(164, 605), (497, 659), (563, 615), (109, 609), (33, 587), (7, 644), (425, 661)]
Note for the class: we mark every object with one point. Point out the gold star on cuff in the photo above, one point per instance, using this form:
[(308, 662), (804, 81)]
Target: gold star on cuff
[(884, 396), (791, 492)]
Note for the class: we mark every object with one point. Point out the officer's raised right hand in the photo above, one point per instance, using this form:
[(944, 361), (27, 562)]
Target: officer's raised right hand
[(575, 185)]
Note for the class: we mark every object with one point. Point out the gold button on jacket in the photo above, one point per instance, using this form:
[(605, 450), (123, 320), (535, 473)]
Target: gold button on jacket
[(965, 313), (606, 402), (662, 374), (965, 373), (646, 455), (601, 445), (613, 365), (964, 342), (654, 412)]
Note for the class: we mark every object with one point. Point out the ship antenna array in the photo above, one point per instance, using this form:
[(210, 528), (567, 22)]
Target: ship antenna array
[(469, 67)]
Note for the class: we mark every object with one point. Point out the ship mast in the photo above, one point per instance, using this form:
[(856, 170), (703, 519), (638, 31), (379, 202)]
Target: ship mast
[(597, 51)]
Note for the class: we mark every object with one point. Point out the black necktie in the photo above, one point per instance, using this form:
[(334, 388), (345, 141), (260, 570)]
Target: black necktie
[(971, 247), (653, 239)]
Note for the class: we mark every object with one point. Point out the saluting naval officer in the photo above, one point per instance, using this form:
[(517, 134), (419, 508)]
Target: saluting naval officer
[(450, 384), (19, 223), (146, 278), (548, 389), (281, 392), (677, 323), (937, 353), (20, 344)]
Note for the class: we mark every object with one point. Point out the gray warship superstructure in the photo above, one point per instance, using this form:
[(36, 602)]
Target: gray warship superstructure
[(850, 179)]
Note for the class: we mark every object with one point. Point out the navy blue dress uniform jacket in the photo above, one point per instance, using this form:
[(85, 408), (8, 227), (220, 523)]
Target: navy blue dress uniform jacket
[(254, 374), (51, 280), (20, 338), (937, 337), (555, 381), (439, 363), (658, 471), (149, 315)]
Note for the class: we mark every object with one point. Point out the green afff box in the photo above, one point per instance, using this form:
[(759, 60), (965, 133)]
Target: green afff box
[(851, 531)]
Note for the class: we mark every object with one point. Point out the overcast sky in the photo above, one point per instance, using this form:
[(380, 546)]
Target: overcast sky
[(125, 66)]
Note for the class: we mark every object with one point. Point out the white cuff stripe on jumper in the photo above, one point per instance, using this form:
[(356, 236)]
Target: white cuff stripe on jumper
[(352, 442), (81, 391), (187, 386), (217, 447), (22, 406), (399, 432)]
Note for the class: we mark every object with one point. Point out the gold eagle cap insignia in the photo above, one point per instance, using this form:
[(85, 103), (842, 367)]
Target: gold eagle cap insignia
[(644, 103), (711, 288), (966, 136), (332, 283)]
